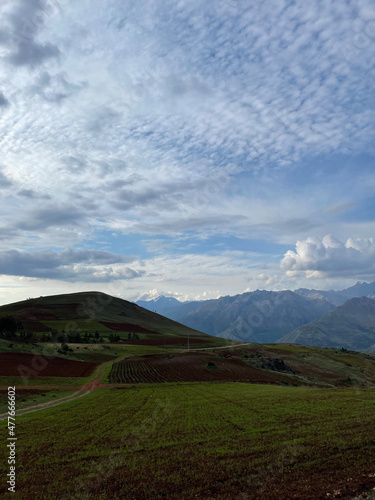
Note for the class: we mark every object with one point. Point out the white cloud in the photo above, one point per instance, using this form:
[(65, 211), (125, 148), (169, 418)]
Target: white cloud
[(171, 118), (69, 264), (330, 257)]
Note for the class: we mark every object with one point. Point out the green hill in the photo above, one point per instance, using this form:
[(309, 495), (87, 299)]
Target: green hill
[(101, 314)]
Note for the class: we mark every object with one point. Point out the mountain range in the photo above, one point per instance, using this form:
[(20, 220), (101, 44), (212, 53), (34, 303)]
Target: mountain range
[(311, 317)]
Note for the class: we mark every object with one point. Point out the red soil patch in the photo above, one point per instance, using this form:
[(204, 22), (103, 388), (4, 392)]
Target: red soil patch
[(36, 314), (30, 365), (127, 327), (166, 340), (35, 326)]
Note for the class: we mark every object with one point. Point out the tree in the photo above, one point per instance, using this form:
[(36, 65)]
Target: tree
[(64, 347), (8, 326), (113, 338)]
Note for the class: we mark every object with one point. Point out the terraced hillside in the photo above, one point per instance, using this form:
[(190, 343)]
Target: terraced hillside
[(101, 314)]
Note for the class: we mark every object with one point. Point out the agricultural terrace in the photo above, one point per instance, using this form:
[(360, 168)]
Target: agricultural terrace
[(192, 367)]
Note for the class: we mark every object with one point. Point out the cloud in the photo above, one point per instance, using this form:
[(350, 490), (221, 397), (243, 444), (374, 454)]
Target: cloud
[(22, 25), (249, 120), (50, 216), (330, 257), (74, 164), (32, 195), (3, 101), (55, 88), (70, 265), (4, 181)]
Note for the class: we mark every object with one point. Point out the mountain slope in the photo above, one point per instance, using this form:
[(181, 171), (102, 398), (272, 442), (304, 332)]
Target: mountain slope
[(88, 311), (170, 307), (360, 289), (258, 316), (351, 326)]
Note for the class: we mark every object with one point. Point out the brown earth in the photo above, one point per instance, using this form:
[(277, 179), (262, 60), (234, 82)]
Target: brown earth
[(192, 367), (31, 365)]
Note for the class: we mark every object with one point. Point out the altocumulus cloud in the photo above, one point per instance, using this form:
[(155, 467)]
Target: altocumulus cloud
[(195, 121), (330, 257), (70, 264)]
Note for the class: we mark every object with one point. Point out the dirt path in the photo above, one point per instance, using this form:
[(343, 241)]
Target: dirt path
[(96, 383), (84, 390), (221, 347)]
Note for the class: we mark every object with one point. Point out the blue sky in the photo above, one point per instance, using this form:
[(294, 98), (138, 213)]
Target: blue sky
[(188, 148)]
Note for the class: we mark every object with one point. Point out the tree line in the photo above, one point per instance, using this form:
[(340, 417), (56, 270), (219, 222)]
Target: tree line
[(11, 329)]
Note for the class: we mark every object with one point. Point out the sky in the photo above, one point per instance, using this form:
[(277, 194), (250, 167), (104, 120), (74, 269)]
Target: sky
[(188, 148)]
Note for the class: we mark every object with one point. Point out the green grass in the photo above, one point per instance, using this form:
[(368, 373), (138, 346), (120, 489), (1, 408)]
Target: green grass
[(51, 349), (197, 441), (287, 347), (82, 325), (40, 348), (27, 398)]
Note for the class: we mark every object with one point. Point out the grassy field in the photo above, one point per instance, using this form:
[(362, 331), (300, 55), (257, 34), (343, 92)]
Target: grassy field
[(209, 431), (219, 440), (44, 381), (27, 397)]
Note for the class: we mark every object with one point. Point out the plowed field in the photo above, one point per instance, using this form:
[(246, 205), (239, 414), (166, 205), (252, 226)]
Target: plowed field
[(156, 368), (16, 364)]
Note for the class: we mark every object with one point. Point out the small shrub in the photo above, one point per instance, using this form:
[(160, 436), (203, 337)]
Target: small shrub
[(211, 366)]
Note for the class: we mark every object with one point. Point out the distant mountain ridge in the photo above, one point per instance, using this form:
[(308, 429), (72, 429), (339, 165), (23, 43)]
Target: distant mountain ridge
[(337, 298), (261, 316), (350, 326), (258, 316)]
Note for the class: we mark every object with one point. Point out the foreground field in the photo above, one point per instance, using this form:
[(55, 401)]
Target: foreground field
[(202, 440)]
